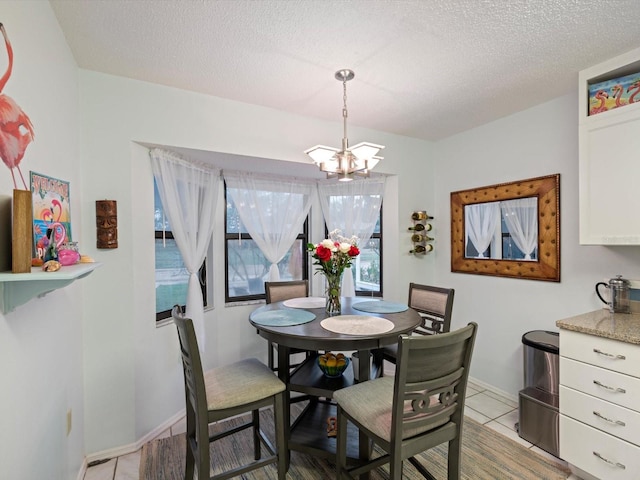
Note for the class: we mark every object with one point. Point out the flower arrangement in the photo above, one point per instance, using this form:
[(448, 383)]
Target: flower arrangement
[(333, 255)]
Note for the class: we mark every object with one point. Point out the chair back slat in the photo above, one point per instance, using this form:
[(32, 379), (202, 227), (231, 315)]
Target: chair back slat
[(280, 291), (431, 379), (434, 304), (195, 390)]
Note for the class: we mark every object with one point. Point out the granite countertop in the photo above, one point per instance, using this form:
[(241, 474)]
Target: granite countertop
[(624, 327)]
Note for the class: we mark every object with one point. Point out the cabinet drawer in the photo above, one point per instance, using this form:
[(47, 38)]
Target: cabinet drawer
[(613, 419), (596, 452), (602, 352), (602, 383)]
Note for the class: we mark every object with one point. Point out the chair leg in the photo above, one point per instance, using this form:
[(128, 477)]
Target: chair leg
[(395, 469), (455, 447), (279, 419), (203, 460), (271, 357), (255, 415), (341, 445), (189, 467)]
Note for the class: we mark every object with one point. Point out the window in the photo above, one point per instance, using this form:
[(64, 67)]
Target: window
[(172, 276), (368, 271), (506, 228), (246, 266), (355, 208)]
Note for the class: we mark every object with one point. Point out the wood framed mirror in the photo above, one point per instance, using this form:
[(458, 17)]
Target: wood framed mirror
[(508, 230)]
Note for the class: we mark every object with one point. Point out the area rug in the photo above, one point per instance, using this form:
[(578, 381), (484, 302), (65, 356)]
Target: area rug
[(486, 455)]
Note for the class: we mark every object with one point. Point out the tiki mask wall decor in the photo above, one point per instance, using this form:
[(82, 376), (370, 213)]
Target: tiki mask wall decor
[(107, 223)]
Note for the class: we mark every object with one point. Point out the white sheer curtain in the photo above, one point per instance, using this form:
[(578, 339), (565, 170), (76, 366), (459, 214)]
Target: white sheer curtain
[(272, 209), (188, 192), (354, 208), (481, 220), (521, 218)]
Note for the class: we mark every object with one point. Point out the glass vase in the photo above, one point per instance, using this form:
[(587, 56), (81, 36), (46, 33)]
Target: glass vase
[(333, 306)]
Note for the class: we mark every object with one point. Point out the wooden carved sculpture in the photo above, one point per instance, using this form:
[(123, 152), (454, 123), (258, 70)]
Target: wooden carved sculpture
[(107, 223)]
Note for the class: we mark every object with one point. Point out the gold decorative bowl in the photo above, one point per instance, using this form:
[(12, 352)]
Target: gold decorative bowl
[(333, 365)]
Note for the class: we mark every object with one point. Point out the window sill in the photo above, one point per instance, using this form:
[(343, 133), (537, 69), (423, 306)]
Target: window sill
[(245, 303), (169, 321), (164, 322)]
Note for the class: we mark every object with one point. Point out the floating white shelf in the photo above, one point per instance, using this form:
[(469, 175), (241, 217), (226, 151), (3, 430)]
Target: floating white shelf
[(18, 288)]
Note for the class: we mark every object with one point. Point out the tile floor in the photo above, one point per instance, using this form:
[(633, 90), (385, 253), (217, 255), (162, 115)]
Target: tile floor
[(126, 467), (484, 406)]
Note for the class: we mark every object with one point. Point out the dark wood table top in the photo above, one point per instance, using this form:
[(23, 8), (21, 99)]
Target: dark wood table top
[(312, 336)]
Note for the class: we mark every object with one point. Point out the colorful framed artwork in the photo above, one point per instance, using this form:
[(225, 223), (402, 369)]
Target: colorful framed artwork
[(51, 212)]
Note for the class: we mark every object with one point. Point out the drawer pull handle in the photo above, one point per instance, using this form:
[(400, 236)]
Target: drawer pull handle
[(615, 464), (619, 390), (615, 422), (611, 355)]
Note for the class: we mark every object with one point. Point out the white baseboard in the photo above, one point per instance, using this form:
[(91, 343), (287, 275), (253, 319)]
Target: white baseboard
[(83, 470), (158, 430), (132, 447), (494, 389)]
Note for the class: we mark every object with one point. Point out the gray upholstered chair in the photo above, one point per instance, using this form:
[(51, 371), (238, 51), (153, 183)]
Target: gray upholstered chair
[(421, 407), (222, 393), (279, 292), (434, 305)]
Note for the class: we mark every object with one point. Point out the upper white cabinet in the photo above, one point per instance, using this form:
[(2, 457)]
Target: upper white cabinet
[(609, 150)]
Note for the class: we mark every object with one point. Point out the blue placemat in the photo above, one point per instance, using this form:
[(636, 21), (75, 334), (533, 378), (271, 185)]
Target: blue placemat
[(281, 318), (380, 306)]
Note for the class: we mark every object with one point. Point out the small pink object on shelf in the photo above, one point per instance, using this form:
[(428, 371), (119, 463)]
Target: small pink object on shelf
[(68, 257)]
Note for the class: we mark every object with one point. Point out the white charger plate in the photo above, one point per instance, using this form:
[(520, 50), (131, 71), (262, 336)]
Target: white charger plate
[(357, 325), (305, 302)]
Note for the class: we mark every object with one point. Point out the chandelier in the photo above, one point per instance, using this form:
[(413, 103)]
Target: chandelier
[(349, 161)]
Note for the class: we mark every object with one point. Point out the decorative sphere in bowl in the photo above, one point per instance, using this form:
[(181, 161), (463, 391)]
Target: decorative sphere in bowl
[(333, 365)]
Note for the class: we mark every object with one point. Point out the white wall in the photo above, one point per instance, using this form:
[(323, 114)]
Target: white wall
[(540, 141), (132, 376), (93, 347), (41, 341)]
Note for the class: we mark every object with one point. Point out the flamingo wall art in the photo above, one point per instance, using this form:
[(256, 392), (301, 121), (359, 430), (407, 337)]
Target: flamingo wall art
[(614, 93), (16, 130), (51, 212)]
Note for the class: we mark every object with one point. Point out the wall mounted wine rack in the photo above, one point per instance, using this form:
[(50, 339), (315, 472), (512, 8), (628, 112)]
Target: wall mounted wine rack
[(420, 233)]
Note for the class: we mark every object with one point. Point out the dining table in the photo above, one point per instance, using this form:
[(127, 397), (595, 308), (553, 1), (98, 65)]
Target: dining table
[(364, 325)]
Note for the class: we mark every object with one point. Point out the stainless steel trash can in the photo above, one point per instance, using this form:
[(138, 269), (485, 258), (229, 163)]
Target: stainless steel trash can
[(538, 401)]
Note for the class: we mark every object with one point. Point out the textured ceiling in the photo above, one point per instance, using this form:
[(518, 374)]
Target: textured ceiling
[(424, 68)]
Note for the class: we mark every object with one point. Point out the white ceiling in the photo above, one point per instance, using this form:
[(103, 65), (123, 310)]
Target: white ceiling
[(424, 68)]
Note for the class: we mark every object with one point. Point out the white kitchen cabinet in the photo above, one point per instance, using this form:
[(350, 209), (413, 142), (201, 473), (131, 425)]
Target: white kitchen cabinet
[(600, 405), (609, 153)]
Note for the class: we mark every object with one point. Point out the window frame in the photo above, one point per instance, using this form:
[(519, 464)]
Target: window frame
[(303, 236), (202, 272), (364, 293), (367, 293)]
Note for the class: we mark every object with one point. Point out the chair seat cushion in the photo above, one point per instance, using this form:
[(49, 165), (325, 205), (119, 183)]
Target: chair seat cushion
[(240, 383), (370, 404)]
